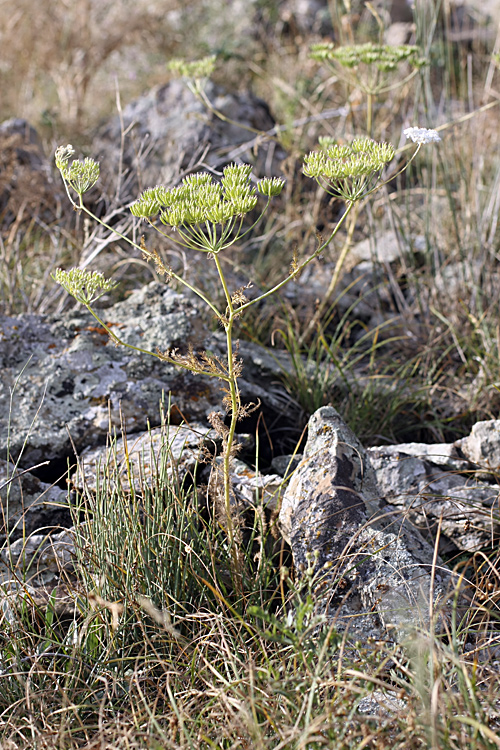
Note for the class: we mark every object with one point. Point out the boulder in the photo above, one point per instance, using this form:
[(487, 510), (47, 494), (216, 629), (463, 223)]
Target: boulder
[(38, 561), (430, 495), (161, 454), (482, 446), (27, 185), (373, 570), (169, 130), (69, 382)]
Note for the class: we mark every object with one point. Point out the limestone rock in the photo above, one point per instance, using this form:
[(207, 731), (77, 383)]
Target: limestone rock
[(39, 560), (367, 560), (420, 484), (27, 185), (170, 130), (482, 446), (151, 457), (63, 372), (71, 383)]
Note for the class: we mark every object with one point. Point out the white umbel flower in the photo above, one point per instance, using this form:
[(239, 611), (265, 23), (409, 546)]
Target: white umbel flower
[(422, 135)]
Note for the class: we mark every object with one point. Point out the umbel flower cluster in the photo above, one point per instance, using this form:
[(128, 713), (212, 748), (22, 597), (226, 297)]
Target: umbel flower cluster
[(350, 171), (85, 286), (80, 175), (386, 58), (422, 135), (196, 70), (200, 203)]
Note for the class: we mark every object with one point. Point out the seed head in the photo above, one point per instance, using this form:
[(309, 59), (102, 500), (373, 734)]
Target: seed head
[(348, 170), (384, 57), (270, 187), (200, 198), (196, 70), (85, 286), (80, 175)]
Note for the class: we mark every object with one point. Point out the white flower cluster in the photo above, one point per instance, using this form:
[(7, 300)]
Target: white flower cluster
[(422, 135)]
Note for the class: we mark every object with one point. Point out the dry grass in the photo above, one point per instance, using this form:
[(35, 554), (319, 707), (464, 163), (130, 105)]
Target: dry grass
[(156, 649)]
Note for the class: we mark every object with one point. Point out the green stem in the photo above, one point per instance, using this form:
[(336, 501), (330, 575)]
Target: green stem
[(335, 276), (235, 409), (300, 268), (369, 114)]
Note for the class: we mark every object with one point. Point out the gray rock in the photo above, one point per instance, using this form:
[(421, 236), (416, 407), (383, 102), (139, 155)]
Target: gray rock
[(306, 16), (150, 457), (367, 289), (385, 248), (39, 560), (284, 466), (255, 490), (250, 489), (426, 492), (170, 130), (369, 562), (64, 371), (482, 446), (440, 454), (382, 704), (27, 504), (71, 383), (27, 185)]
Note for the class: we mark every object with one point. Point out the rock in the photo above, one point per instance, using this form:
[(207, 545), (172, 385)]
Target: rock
[(40, 560), (157, 455), (71, 383), (367, 560), (421, 485), (482, 446), (27, 504), (254, 490), (64, 372), (384, 248), (27, 185), (169, 130), (382, 705), (451, 280), (306, 17), (284, 466), (440, 454)]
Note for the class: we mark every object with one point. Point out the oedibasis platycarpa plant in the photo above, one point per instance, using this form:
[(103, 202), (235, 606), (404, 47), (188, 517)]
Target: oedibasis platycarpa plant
[(208, 215)]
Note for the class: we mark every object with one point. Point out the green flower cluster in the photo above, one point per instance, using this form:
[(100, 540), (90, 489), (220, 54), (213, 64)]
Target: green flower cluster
[(196, 70), (85, 286), (348, 170), (80, 175), (386, 58), (200, 199)]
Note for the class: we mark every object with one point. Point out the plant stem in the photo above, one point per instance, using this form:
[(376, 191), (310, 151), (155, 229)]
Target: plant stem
[(300, 268), (229, 437), (335, 276), (158, 355)]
